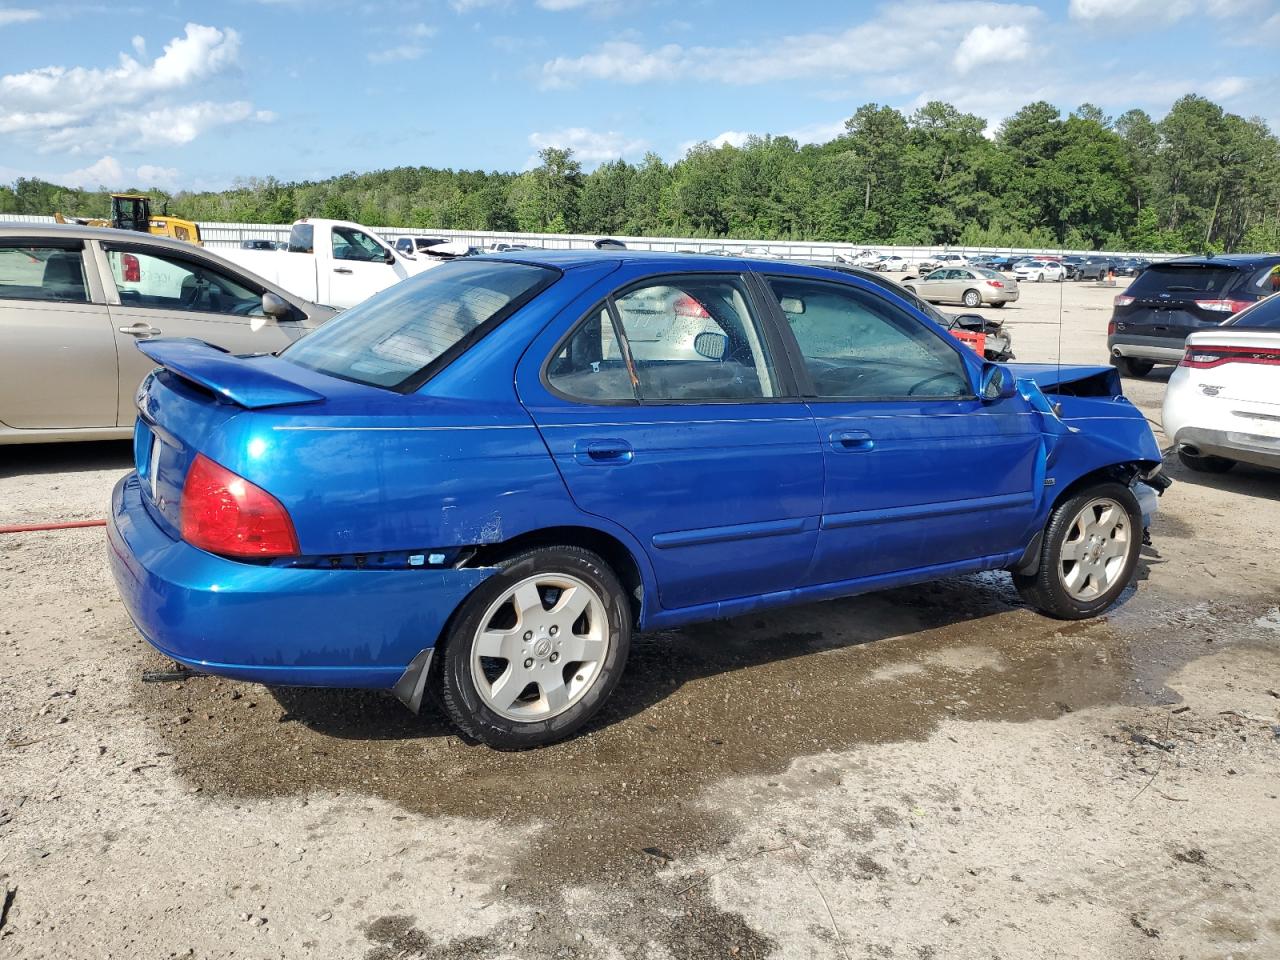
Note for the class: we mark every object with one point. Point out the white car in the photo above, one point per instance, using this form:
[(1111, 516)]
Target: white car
[(1040, 271), (1222, 405), (892, 263)]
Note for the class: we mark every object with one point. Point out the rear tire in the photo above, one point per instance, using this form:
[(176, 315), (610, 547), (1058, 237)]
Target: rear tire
[(971, 299), (1088, 555), (536, 649), (1129, 367), (1205, 464)]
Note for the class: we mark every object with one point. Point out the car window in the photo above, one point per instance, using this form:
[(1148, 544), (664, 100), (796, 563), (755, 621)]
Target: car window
[(33, 272), (1183, 278), (590, 365), (176, 283), (302, 238), (938, 275), (1264, 313), (1267, 280), (349, 244), (858, 345), (990, 274), (394, 338), (694, 338)]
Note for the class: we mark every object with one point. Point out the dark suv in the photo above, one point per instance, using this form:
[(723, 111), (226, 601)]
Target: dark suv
[(1169, 300)]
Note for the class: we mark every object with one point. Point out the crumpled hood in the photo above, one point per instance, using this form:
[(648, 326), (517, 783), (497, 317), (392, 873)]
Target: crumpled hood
[(1050, 375)]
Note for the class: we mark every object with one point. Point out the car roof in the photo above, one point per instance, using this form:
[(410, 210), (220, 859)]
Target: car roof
[(11, 230), (1237, 260), (680, 262)]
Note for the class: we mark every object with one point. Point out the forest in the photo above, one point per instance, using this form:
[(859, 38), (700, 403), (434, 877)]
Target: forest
[(1199, 179)]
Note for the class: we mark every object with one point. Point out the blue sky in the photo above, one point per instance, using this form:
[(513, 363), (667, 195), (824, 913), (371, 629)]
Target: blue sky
[(196, 94)]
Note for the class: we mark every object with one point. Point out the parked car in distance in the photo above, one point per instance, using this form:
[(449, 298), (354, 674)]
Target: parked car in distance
[(1222, 405), (939, 260), (412, 246), (972, 286), (1130, 266), (996, 343), (1094, 268), (1040, 271), (331, 262), (475, 469), (74, 301), (608, 243), (1173, 299), (893, 263), (258, 245)]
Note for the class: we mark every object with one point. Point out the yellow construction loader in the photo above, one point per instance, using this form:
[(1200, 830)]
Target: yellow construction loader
[(132, 211)]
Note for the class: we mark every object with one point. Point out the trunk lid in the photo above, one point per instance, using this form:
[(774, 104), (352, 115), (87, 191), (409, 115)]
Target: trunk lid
[(1241, 367)]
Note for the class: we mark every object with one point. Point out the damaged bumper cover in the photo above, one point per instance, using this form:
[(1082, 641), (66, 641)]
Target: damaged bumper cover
[(271, 624)]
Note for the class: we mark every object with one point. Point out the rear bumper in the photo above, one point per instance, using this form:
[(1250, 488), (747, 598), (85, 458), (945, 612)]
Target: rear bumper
[(1261, 451), (277, 625), (1159, 349)]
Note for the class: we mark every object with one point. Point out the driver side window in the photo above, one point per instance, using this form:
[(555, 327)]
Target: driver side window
[(858, 345), (351, 244)]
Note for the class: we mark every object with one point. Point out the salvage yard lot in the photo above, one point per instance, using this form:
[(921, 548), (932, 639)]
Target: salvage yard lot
[(929, 772)]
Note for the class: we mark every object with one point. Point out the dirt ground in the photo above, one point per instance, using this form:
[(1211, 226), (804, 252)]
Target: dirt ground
[(933, 772)]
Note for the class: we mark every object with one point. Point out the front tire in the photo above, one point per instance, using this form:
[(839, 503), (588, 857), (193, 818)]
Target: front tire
[(1205, 464), (536, 649), (1088, 554), (1040, 279), (972, 298)]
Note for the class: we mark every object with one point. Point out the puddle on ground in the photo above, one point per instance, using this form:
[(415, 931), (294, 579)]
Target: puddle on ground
[(695, 706)]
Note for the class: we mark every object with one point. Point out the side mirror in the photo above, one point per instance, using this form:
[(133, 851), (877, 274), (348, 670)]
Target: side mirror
[(388, 256), (710, 345), (997, 382), (276, 306)]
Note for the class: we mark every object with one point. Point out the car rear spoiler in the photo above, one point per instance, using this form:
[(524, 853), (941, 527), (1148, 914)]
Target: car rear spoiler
[(246, 381)]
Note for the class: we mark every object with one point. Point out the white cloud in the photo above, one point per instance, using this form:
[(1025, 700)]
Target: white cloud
[(986, 44), (1224, 88), (591, 147), (91, 109), (895, 38), (106, 172), (1164, 11), (10, 15), (397, 54)]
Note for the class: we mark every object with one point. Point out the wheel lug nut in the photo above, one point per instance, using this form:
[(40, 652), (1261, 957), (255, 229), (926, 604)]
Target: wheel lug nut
[(555, 630), (528, 634), (528, 662), (555, 657)]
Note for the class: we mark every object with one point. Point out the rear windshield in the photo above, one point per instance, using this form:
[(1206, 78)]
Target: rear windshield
[(1264, 313), (399, 337), (1184, 278)]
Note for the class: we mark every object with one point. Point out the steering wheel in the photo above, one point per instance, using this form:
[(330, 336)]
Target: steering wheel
[(921, 383)]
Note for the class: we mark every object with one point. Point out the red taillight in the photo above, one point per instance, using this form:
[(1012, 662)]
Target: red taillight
[(227, 515), (1122, 300), (130, 269), (994, 283), (686, 306), (1203, 356), (1223, 306), (1111, 328)]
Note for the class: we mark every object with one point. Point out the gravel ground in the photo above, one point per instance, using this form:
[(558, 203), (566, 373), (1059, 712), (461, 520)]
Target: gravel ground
[(934, 772)]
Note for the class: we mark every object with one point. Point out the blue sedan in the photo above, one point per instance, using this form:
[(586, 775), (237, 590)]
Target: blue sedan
[(481, 481)]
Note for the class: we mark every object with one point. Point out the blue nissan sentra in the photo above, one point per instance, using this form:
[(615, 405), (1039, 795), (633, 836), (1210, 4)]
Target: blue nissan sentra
[(481, 481)]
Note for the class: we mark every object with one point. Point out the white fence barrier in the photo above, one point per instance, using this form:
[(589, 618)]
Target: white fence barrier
[(232, 234)]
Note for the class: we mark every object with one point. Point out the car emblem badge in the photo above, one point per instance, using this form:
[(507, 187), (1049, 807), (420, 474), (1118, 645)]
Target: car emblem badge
[(1210, 389)]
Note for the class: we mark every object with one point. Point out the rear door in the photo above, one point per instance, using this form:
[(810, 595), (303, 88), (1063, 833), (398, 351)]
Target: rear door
[(671, 411), (920, 473), (154, 291), (57, 351)]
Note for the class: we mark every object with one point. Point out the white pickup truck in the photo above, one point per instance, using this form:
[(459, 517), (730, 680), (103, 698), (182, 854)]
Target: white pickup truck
[(332, 262)]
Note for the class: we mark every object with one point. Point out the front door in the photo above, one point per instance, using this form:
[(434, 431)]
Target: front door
[(162, 293), (919, 472), (667, 413), (57, 352), (359, 269)]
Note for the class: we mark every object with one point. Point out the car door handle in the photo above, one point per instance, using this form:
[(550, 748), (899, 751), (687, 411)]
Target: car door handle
[(852, 441), (341, 269), (603, 452), (141, 330)]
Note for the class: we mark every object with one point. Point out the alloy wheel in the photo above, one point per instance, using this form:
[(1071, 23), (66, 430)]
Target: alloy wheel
[(1096, 549), (540, 647)]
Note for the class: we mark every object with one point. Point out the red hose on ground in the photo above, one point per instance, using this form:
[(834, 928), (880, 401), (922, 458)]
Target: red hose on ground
[(66, 525)]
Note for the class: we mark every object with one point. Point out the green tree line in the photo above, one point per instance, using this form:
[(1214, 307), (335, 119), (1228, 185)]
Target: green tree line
[(1199, 179)]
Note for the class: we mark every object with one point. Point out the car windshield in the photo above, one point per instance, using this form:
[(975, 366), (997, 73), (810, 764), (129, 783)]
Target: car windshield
[(392, 339), (1264, 313), (990, 274)]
